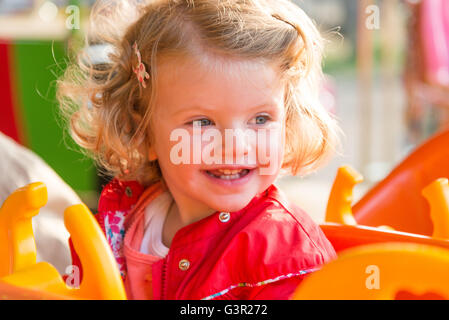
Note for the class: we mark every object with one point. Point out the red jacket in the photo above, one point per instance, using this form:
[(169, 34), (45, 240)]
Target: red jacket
[(262, 251)]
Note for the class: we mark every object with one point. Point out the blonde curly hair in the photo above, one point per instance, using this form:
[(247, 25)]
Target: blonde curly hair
[(109, 114)]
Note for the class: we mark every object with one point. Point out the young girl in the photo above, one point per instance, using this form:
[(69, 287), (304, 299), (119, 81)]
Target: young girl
[(192, 213)]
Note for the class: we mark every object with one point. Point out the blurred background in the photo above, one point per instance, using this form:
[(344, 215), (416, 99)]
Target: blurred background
[(387, 76)]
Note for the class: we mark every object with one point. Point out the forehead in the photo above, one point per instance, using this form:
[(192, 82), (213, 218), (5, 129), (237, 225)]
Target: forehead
[(219, 81)]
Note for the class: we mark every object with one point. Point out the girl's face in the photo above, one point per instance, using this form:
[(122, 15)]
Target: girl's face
[(219, 132)]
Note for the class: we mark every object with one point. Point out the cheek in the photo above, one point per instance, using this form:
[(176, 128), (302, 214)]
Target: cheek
[(177, 152), (270, 146), (176, 169), (162, 144)]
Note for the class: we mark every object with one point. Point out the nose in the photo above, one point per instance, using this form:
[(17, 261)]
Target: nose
[(237, 144)]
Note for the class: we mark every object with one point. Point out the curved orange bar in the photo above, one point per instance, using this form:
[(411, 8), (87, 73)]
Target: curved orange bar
[(396, 201), (101, 276), (344, 237), (381, 272), (13, 292)]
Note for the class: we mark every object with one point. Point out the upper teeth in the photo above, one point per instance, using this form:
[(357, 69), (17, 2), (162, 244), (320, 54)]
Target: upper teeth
[(227, 171)]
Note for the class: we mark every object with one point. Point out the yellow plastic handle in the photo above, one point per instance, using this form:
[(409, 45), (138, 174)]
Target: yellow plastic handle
[(17, 245), (339, 206), (380, 272), (437, 194), (18, 267), (101, 276)]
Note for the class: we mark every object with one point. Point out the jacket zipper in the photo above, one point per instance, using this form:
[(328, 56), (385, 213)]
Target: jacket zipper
[(164, 278)]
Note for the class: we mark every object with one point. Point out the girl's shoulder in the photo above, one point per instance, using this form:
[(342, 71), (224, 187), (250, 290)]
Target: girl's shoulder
[(284, 237), (300, 223), (119, 195)]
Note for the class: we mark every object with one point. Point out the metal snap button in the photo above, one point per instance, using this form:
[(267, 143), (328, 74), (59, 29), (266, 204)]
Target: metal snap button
[(184, 264), (224, 216)]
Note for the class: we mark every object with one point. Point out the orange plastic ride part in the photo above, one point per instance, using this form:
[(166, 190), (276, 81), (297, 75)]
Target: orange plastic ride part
[(396, 201), (379, 262), (386, 271), (22, 278), (344, 233)]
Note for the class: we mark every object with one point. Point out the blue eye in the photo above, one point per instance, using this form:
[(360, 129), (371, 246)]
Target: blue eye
[(261, 119), (202, 122)]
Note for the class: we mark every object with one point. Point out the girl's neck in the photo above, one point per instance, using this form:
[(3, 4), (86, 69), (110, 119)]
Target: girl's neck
[(177, 218), (186, 210)]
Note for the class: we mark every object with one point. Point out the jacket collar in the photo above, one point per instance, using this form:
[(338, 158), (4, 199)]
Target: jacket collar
[(209, 226)]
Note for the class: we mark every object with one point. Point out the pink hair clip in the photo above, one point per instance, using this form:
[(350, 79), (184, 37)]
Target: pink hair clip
[(139, 70)]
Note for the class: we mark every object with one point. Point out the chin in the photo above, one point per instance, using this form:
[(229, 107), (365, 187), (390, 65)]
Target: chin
[(231, 205)]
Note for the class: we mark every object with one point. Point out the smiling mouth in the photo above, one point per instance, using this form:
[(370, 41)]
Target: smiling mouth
[(227, 174)]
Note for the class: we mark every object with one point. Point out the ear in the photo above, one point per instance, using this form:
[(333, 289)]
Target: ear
[(152, 156)]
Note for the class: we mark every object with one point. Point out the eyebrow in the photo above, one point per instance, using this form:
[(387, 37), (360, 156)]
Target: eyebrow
[(271, 105)]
